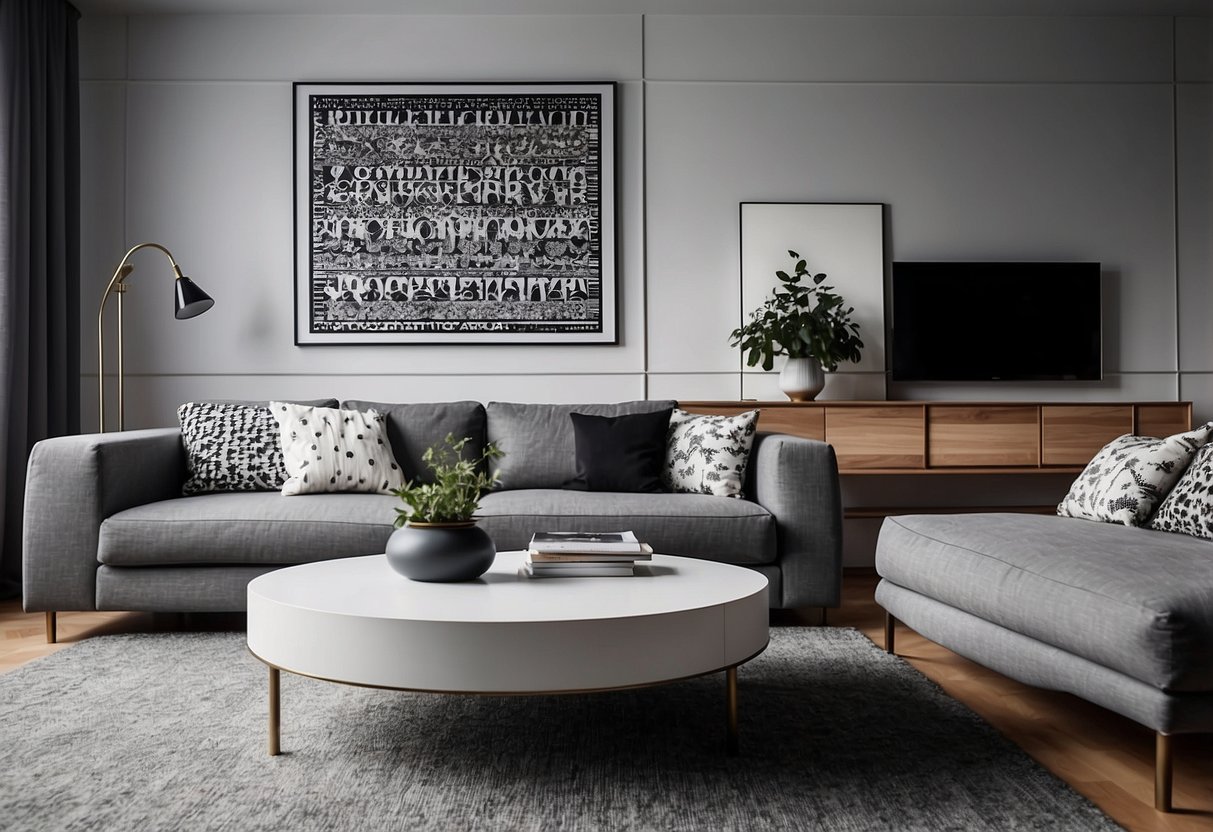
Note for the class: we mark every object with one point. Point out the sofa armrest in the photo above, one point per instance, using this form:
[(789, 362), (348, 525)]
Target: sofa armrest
[(797, 481), (72, 484)]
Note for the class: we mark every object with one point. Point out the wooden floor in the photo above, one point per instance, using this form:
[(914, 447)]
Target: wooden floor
[(1105, 757)]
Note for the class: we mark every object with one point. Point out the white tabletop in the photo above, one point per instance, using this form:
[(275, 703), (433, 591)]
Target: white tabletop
[(367, 587), (355, 620)]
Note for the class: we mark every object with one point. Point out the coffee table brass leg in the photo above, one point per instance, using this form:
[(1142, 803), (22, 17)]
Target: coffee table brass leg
[(730, 680), (275, 712)]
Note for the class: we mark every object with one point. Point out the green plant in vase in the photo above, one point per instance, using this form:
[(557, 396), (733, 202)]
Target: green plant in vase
[(808, 322), (436, 537), (454, 495)]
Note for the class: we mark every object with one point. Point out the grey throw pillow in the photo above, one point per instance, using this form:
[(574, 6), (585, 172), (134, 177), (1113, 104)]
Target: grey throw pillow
[(1128, 478), (415, 427), (538, 441)]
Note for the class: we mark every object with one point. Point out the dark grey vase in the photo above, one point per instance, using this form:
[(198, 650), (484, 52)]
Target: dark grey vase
[(441, 551)]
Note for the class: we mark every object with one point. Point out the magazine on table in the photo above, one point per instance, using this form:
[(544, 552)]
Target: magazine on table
[(589, 543), (578, 570)]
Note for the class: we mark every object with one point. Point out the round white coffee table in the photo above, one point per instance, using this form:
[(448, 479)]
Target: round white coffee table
[(357, 622)]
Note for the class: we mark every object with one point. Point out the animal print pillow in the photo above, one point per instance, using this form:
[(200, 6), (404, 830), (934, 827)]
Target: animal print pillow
[(329, 449), (230, 447), (1130, 476), (708, 454), (1188, 508)]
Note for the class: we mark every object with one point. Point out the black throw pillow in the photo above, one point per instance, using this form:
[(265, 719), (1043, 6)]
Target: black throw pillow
[(620, 453)]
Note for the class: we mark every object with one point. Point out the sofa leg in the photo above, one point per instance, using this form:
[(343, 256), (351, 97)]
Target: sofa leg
[(51, 626), (890, 624), (1162, 772)]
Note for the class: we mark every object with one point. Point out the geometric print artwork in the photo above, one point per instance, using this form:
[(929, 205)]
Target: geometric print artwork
[(326, 449), (1129, 477), (230, 447), (708, 454), (454, 213)]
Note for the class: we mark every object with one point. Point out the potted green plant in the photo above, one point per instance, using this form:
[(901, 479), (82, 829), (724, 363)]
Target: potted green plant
[(806, 321), (436, 537)]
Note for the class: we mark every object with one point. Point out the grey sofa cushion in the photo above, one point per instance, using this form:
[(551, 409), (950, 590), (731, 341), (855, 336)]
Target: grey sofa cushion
[(411, 428), (1135, 600), (267, 528), (714, 528), (247, 528), (540, 451)]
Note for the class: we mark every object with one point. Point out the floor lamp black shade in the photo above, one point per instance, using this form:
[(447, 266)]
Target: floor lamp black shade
[(191, 300)]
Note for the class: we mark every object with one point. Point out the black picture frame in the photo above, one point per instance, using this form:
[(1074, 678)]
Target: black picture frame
[(455, 213)]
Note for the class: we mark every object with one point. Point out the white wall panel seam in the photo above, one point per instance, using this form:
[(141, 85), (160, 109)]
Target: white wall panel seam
[(644, 200), (1175, 187)]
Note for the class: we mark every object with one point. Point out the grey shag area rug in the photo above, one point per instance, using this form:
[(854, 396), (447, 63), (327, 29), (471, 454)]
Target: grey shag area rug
[(168, 731)]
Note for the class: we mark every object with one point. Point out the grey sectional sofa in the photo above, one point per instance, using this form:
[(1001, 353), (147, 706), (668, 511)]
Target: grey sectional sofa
[(1120, 616), (106, 526)]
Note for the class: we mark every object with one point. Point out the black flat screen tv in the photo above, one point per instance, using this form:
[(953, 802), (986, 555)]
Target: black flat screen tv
[(996, 322)]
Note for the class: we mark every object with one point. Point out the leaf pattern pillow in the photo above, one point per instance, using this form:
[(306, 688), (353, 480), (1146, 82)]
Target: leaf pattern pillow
[(708, 454), (1129, 477), (328, 449), (1188, 508)]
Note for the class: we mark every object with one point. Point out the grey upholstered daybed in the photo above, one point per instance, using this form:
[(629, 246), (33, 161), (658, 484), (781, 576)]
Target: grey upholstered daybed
[(1120, 616)]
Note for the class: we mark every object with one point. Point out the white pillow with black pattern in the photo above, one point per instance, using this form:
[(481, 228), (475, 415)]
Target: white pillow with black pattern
[(327, 449), (1188, 508), (708, 454), (1129, 477), (230, 447)]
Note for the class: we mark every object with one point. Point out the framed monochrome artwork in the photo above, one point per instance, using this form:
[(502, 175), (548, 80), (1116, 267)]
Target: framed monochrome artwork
[(843, 239), (455, 213)]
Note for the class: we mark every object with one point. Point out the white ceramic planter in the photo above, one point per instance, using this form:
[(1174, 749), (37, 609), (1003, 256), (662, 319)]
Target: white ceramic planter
[(801, 379)]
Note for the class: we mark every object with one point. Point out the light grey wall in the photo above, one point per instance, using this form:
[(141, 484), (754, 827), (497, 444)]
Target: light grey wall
[(1030, 137)]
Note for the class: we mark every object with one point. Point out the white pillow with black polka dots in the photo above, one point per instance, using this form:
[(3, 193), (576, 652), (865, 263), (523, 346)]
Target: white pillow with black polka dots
[(328, 449), (1128, 478)]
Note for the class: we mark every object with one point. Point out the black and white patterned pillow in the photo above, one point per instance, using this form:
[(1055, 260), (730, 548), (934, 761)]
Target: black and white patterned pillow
[(708, 454), (1129, 477), (230, 447), (328, 449), (1188, 507)]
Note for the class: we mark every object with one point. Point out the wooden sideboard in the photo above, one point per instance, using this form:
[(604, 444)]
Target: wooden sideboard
[(900, 437)]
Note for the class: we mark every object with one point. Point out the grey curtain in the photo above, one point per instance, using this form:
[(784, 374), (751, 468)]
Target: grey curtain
[(39, 247)]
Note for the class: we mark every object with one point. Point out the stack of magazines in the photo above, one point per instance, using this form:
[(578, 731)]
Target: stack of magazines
[(585, 554)]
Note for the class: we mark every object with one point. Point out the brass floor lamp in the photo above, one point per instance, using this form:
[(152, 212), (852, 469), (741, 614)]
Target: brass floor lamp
[(189, 302)]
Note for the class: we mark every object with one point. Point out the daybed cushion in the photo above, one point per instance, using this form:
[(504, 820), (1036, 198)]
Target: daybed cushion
[(1127, 598), (714, 528), (540, 450), (247, 528)]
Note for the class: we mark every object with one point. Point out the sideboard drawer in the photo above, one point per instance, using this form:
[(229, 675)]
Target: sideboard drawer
[(1072, 434), (796, 421), (986, 436), (807, 422), (1163, 419), (877, 437)]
